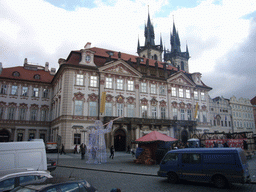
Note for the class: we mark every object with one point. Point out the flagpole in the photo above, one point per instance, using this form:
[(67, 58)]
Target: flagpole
[(112, 120)]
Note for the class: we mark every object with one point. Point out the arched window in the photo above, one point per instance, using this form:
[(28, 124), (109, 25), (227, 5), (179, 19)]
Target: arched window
[(155, 57)]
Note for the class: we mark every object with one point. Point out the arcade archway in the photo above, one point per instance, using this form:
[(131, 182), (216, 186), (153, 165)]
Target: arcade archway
[(4, 135), (120, 140)]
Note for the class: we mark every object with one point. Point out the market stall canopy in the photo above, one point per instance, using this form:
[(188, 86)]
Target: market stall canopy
[(155, 136)]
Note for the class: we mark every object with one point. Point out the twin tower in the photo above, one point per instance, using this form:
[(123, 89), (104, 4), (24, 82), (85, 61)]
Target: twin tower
[(174, 57)]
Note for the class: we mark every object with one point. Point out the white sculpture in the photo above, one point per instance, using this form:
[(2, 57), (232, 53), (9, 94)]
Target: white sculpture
[(97, 147)]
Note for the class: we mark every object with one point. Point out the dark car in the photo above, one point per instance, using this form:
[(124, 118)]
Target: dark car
[(51, 164), (71, 186)]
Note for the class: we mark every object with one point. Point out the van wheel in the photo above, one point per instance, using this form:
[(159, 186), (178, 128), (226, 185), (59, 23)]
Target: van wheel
[(172, 177), (219, 181)]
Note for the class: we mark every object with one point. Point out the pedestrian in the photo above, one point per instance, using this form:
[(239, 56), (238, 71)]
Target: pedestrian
[(75, 149), (128, 149), (225, 144), (112, 150), (133, 152), (82, 149), (62, 149), (245, 145), (187, 145), (215, 145)]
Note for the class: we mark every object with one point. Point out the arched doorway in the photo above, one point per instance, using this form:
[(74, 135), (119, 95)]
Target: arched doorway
[(4, 135), (184, 136), (120, 140)]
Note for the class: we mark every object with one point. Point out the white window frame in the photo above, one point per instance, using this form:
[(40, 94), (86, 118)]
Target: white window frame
[(22, 114), (24, 91), (162, 89), (174, 92), (153, 88), (78, 107), (144, 111), (174, 113), (3, 89), (202, 96), (11, 113), (120, 109), (33, 114), (130, 110), (143, 87), (120, 84), (93, 108), (196, 95), (189, 113), (14, 90), (182, 114), (181, 92), (45, 93), (80, 79), (108, 109), (35, 92), (44, 115), (93, 81), (188, 93), (163, 112), (109, 82), (130, 85), (154, 112)]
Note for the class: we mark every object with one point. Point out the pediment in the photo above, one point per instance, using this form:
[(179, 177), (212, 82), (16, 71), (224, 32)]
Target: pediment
[(119, 67), (180, 79)]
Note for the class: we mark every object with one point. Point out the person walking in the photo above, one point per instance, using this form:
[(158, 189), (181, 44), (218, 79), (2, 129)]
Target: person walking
[(62, 149), (82, 149), (75, 149), (128, 149), (112, 150)]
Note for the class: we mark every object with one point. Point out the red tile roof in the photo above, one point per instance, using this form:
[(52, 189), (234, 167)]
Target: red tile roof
[(26, 74), (100, 56)]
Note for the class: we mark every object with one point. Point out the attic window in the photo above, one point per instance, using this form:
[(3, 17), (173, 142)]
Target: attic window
[(141, 60), (110, 53), (15, 74), (37, 76)]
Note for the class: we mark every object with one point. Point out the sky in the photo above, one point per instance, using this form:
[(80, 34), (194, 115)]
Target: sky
[(220, 34)]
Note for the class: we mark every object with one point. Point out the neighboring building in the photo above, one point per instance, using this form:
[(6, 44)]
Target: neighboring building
[(25, 102), (151, 95), (220, 115), (242, 115)]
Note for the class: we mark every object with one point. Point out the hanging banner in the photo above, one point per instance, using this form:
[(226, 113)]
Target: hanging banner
[(102, 102), (196, 110)]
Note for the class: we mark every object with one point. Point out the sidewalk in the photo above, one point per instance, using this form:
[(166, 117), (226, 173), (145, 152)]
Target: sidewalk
[(123, 162)]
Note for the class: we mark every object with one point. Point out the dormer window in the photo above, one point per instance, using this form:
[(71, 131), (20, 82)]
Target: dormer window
[(15, 74), (141, 60), (37, 76), (110, 53), (88, 58)]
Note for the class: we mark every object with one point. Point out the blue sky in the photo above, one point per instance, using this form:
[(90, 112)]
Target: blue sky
[(221, 34)]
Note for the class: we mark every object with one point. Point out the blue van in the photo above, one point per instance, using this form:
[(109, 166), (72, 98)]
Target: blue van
[(218, 165)]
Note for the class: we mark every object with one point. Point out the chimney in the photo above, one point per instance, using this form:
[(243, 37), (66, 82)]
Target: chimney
[(88, 45), (53, 70), (46, 68), (61, 61), (1, 68), (119, 55)]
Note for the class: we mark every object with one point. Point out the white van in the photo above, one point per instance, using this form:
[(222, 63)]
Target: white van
[(24, 155)]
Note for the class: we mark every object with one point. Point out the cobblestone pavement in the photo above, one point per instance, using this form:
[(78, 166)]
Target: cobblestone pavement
[(123, 162)]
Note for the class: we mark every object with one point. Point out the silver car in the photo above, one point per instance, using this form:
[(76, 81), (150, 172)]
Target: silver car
[(22, 177)]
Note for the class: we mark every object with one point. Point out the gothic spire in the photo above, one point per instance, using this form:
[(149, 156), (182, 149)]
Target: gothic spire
[(175, 40), (149, 33), (161, 42), (138, 47)]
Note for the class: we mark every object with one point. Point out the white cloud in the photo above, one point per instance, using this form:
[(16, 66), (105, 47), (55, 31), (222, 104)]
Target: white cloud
[(42, 32)]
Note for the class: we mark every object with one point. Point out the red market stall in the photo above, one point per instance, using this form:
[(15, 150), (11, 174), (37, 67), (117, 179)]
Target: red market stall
[(150, 143)]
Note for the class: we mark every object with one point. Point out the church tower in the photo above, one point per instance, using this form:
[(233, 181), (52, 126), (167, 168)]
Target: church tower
[(175, 56), (150, 50)]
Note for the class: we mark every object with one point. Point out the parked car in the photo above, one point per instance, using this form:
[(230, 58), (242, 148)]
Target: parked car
[(12, 180), (74, 186), (218, 165), (51, 164)]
